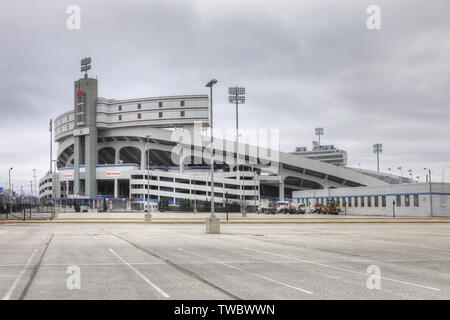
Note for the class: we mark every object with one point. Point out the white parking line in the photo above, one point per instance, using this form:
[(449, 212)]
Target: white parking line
[(3, 232), (93, 236), (249, 272), (342, 269), (8, 294), (165, 295)]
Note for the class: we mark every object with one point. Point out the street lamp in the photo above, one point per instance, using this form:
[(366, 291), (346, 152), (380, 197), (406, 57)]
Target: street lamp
[(210, 85), (212, 224), (148, 173), (50, 128), (431, 194), (10, 191), (237, 96), (378, 148), (319, 132)]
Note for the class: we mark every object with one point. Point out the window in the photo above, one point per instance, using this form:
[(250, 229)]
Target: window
[(120, 118), (182, 103), (139, 105), (160, 104), (120, 107), (160, 114), (369, 201), (355, 202), (182, 113), (67, 118), (398, 199), (383, 201), (349, 202), (362, 201), (80, 108), (375, 201), (139, 116), (407, 200), (416, 200)]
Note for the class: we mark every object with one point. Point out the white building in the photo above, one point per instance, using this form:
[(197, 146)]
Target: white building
[(393, 200), (106, 147), (324, 153)]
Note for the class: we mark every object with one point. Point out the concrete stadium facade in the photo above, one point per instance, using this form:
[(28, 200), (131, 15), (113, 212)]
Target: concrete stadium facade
[(159, 147)]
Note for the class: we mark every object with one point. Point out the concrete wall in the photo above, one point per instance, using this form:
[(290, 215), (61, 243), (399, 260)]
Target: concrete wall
[(420, 192)]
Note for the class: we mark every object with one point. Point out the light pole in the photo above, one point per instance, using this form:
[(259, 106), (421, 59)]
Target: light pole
[(378, 148), (319, 132), (35, 186), (50, 128), (212, 224), (431, 194), (237, 96), (148, 172), (10, 191)]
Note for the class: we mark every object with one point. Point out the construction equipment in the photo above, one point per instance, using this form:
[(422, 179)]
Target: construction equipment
[(285, 207), (267, 207)]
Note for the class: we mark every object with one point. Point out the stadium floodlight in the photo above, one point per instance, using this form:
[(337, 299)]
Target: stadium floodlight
[(237, 96), (319, 132), (85, 66), (377, 149)]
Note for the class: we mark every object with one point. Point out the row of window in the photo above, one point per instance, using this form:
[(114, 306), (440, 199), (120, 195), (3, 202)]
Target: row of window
[(160, 115), (160, 105), (371, 201)]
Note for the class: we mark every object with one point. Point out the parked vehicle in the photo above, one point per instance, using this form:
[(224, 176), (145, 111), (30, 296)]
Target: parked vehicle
[(301, 208), (285, 207), (267, 207)]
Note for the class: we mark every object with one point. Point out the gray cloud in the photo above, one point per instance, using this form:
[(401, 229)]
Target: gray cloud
[(304, 65)]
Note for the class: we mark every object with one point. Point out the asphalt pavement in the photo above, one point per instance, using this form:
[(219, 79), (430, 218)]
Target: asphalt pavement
[(245, 261)]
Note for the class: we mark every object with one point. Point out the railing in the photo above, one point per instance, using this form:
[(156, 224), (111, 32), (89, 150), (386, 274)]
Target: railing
[(26, 211)]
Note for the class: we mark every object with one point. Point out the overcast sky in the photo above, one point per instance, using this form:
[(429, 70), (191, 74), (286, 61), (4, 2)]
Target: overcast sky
[(304, 64)]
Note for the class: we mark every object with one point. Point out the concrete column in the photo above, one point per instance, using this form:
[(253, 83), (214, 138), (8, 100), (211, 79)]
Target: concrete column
[(116, 156), (76, 166), (116, 188), (281, 189), (143, 159)]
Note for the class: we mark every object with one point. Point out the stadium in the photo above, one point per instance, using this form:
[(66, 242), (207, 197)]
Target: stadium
[(149, 149)]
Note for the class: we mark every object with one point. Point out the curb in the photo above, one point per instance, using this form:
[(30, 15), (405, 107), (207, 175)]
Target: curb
[(237, 221)]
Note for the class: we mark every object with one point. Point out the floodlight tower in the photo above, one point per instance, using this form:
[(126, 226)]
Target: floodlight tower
[(85, 66), (378, 148), (237, 96), (319, 132)]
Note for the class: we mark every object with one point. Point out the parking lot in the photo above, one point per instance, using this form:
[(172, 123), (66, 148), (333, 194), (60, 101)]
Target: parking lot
[(257, 261)]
